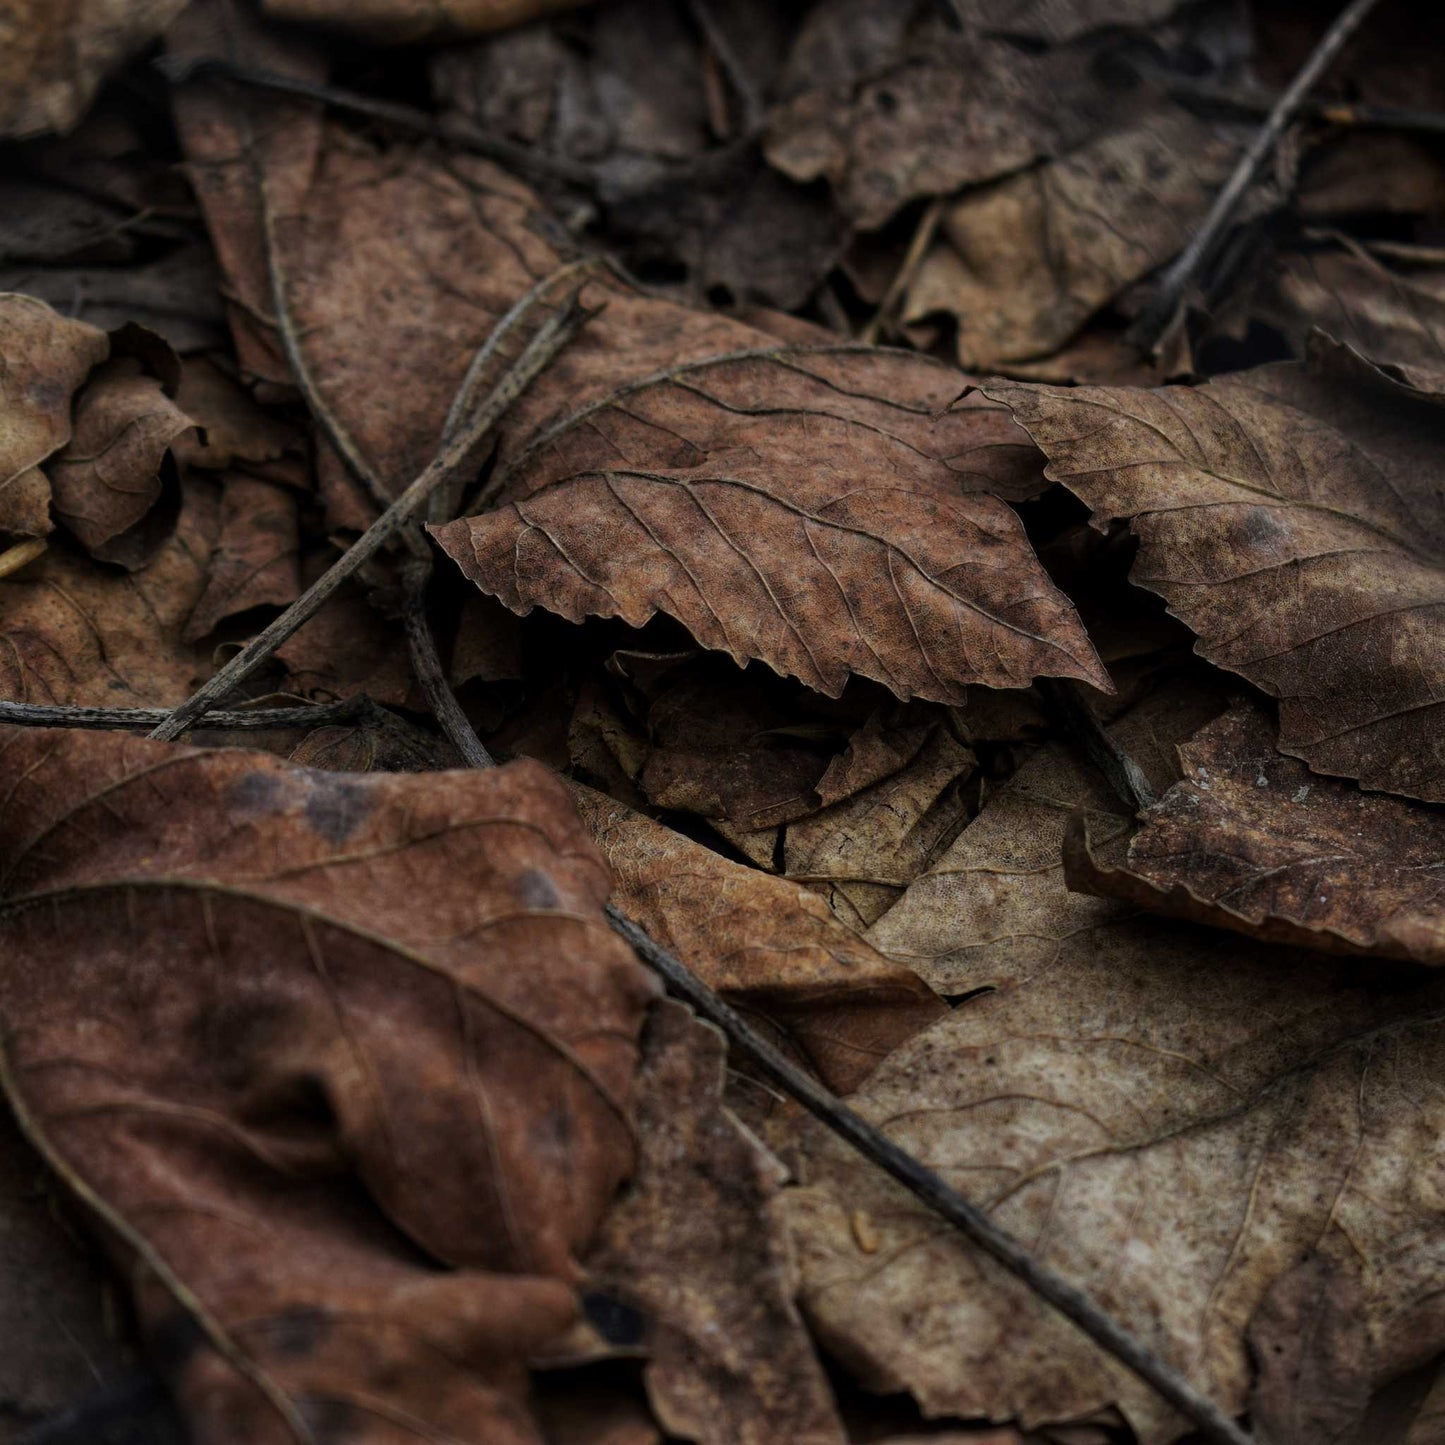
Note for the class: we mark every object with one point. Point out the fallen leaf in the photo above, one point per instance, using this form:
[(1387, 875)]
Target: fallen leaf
[(54, 58), (1255, 842), (109, 481), (1022, 264), (695, 1245), (350, 1149), (1290, 516), (770, 946), (46, 357), (1172, 1127), (411, 22)]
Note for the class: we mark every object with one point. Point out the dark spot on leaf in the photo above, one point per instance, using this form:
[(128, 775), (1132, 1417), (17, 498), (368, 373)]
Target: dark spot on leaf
[(295, 1333), (255, 793), (534, 889), (337, 808), (331, 1421)]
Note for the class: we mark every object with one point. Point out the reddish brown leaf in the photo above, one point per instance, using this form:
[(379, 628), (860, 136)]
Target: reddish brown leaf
[(409, 22), (1253, 841), (769, 945), (45, 358), (1291, 516), (349, 1147)]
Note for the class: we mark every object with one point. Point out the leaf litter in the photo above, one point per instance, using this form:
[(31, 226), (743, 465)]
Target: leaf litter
[(342, 1106)]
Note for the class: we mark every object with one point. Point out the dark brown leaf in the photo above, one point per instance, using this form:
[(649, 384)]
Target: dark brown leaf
[(350, 1148)]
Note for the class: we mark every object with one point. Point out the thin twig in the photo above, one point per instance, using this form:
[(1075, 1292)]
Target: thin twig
[(903, 277), (754, 111), (451, 129), (931, 1190), (1346, 114), (141, 719), (1077, 721), (426, 663), (1156, 318), (455, 451)]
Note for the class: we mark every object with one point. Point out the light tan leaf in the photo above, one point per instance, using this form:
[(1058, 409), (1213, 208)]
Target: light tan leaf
[(695, 1244), (45, 358), (1291, 516), (1255, 842), (1172, 1126), (53, 57), (770, 946), (349, 1148)]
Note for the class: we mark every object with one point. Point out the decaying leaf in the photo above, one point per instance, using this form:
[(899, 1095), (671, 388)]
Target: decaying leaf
[(411, 21), (349, 1148), (696, 1246), (769, 945), (1171, 1125), (54, 57), (1253, 841), (1291, 517), (45, 359)]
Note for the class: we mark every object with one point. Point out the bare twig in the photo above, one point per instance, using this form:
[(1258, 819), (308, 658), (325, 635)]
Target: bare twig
[(1077, 721), (141, 719), (454, 452), (1156, 318), (929, 1189), (903, 278), (742, 83), (451, 129)]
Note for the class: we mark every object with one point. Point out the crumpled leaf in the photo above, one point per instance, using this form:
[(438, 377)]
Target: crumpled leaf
[(109, 480), (1291, 517), (1172, 1126), (411, 22), (888, 103), (1253, 841), (768, 945), (1022, 264), (45, 359), (696, 1246), (349, 1148), (54, 57)]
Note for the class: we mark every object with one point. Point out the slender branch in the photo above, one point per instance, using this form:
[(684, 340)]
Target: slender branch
[(1156, 318), (132, 719), (754, 111), (1077, 721), (452, 129), (903, 277), (555, 332), (929, 1189)]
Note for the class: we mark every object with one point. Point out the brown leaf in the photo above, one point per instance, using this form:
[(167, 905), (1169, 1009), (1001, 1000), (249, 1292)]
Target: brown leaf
[(55, 56), (1291, 517), (769, 945), (45, 359), (78, 633), (109, 480), (1023, 263), (1254, 842), (350, 1147), (411, 22), (1171, 1126), (696, 1246)]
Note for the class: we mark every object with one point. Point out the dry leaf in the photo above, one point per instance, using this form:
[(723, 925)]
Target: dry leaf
[(769, 945), (1291, 517), (53, 58), (694, 1244), (109, 481), (412, 22), (349, 1147), (1253, 841), (45, 359), (1170, 1125)]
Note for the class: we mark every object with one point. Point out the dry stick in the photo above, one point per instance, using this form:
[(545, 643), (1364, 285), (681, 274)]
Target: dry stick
[(917, 248), (139, 719), (455, 451), (922, 1182), (1156, 318)]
